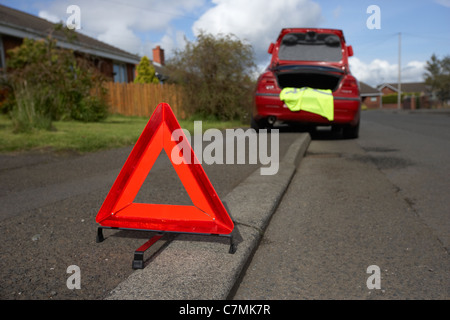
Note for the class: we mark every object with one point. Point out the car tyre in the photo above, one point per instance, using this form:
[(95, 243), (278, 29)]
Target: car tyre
[(257, 125), (351, 132)]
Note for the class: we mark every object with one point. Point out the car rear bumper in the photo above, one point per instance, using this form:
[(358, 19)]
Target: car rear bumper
[(346, 110)]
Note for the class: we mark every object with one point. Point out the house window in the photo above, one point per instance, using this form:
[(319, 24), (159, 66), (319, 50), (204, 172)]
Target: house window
[(120, 72)]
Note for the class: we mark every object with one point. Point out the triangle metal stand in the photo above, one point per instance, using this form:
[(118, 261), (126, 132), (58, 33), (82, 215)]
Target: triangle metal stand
[(138, 261)]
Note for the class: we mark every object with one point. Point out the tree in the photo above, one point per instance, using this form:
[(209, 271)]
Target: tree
[(215, 73), (438, 77), (145, 72)]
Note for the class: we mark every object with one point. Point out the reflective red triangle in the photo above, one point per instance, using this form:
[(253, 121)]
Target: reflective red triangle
[(207, 215)]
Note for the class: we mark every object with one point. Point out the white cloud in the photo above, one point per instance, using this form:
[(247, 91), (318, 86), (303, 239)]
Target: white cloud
[(120, 35), (258, 22), (337, 12), (379, 71), (445, 3), (48, 16), (172, 40), (129, 25), (120, 23)]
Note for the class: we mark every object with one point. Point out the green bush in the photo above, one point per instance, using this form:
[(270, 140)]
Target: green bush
[(90, 109), (54, 83), (27, 113), (389, 98), (215, 73), (392, 98)]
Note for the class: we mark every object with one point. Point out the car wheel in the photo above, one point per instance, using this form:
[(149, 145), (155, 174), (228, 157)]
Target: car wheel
[(351, 132), (257, 124)]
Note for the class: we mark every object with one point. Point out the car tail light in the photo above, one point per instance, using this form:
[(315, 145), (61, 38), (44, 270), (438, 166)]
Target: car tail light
[(267, 82), (350, 86)]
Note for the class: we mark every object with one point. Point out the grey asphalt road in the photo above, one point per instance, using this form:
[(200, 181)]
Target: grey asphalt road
[(412, 149), (47, 218), (381, 200)]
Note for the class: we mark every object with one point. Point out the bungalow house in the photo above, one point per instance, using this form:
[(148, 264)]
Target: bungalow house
[(370, 96), (421, 91), (116, 64), (389, 88)]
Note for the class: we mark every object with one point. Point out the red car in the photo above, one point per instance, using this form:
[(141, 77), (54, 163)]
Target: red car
[(314, 58)]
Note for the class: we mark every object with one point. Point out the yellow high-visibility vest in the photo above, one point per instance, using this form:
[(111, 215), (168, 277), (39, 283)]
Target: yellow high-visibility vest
[(308, 99)]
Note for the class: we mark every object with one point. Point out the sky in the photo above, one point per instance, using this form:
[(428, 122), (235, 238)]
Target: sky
[(137, 26)]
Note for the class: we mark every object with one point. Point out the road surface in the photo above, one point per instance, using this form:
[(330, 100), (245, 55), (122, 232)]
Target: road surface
[(380, 201)]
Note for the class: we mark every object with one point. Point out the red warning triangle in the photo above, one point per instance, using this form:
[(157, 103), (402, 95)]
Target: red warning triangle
[(207, 215)]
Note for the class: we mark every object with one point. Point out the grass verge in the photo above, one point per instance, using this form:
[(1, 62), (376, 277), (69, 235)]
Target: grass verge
[(116, 131)]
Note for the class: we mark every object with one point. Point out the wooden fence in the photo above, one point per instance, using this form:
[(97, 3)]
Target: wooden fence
[(136, 99)]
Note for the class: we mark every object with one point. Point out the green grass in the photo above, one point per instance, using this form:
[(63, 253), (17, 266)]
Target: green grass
[(116, 131)]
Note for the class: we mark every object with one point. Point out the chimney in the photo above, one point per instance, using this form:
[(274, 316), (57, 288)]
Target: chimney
[(158, 55)]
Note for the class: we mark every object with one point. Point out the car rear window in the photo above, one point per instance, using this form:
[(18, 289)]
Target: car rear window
[(310, 46)]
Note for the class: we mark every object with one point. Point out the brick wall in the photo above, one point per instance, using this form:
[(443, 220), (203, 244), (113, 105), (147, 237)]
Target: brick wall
[(387, 90), (372, 102)]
